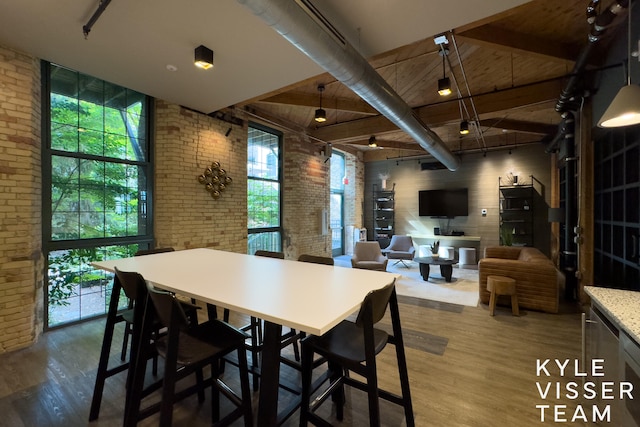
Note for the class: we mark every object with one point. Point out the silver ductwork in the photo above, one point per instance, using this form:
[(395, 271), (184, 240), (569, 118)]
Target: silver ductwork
[(301, 23)]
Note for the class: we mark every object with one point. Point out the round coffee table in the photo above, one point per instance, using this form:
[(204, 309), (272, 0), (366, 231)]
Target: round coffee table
[(446, 266)]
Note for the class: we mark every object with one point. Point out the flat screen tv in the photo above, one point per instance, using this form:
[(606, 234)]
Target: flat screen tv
[(443, 203)]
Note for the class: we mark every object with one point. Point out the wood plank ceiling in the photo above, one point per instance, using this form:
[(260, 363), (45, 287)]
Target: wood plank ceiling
[(507, 74)]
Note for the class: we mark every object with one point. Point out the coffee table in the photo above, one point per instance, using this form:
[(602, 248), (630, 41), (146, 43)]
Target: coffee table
[(446, 266)]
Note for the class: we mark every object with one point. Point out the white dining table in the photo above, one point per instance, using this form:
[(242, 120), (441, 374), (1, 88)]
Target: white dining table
[(308, 297)]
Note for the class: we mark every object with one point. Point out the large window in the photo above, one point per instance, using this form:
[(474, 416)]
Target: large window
[(96, 194), (264, 204), (336, 206)]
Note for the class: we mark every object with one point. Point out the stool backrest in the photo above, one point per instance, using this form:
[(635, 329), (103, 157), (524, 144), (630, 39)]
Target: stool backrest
[(168, 309), (153, 251), (315, 259), (374, 305), (270, 254)]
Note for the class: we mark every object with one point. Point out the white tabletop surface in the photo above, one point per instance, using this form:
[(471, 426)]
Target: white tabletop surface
[(309, 297)]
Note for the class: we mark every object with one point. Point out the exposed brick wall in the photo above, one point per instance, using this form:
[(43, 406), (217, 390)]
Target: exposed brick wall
[(305, 194), (185, 214), (21, 278)]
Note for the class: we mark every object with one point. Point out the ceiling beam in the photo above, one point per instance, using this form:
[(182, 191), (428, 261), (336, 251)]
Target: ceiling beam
[(515, 42), (390, 144), (442, 113), (520, 126), (308, 100)]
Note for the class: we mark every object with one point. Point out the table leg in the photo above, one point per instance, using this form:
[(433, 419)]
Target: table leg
[(270, 375), (447, 272), (424, 271)]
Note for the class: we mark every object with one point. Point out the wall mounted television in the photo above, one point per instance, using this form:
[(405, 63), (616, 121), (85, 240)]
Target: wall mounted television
[(443, 203)]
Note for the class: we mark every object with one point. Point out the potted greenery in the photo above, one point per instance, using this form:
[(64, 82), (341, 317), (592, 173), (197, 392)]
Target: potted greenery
[(435, 248), (507, 237)]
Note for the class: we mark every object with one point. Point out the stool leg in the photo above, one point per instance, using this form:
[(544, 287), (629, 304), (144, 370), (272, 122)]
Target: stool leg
[(492, 304), (514, 305)]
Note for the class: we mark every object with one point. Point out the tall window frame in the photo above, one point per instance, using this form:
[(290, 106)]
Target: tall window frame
[(338, 172), (264, 189), (97, 171)]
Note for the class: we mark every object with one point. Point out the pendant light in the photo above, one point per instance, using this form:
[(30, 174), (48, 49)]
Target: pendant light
[(444, 84), (464, 127), (372, 142), (321, 115), (624, 110)]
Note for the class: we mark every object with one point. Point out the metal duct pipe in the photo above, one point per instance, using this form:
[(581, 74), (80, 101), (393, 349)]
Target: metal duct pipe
[(302, 24), (599, 25)]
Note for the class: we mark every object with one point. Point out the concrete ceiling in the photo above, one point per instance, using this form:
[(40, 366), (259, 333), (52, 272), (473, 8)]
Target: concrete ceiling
[(133, 42)]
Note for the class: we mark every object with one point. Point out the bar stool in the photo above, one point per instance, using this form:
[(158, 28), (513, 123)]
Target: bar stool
[(500, 285), (187, 349), (353, 347)]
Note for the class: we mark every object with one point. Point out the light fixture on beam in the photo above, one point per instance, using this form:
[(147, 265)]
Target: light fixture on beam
[(203, 57), (624, 110), (321, 115), (372, 142), (444, 84), (464, 127)]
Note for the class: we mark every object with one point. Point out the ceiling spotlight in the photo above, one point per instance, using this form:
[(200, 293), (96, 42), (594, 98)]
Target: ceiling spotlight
[(372, 142), (203, 57), (624, 110), (321, 115), (464, 127)]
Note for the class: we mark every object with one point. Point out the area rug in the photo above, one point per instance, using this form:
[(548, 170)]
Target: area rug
[(462, 290)]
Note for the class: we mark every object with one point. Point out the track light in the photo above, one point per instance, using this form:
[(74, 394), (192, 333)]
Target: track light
[(203, 57), (372, 142), (321, 115), (444, 84), (464, 127), (624, 110)]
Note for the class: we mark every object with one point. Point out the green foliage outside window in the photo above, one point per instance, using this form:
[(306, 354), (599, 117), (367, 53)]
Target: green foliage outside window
[(98, 188)]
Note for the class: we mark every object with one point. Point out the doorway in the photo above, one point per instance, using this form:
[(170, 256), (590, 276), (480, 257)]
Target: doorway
[(336, 203)]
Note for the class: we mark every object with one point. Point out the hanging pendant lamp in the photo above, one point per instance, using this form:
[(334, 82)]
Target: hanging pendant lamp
[(624, 110), (321, 115)]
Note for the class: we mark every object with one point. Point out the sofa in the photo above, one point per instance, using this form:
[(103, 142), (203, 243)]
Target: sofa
[(537, 279)]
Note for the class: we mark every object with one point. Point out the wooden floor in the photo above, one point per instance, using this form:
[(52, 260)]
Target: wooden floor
[(466, 369)]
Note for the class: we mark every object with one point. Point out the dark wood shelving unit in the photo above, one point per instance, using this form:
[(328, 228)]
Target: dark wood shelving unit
[(383, 214), (516, 212)]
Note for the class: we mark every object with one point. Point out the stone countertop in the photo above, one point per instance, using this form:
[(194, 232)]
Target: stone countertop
[(622, 306)]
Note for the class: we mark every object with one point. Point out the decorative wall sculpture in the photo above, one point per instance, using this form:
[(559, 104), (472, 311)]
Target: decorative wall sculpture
[(215, 180)]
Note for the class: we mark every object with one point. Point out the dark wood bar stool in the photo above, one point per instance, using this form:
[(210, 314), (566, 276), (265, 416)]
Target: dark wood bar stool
[(136, 293), (353, 347), (134, 321), (127, 315), (188, 348)]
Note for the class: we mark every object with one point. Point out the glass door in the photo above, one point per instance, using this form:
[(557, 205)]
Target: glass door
[(336, 203), (336, 221)]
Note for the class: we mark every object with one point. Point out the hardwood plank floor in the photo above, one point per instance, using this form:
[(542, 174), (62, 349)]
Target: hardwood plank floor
[(468, 369)]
